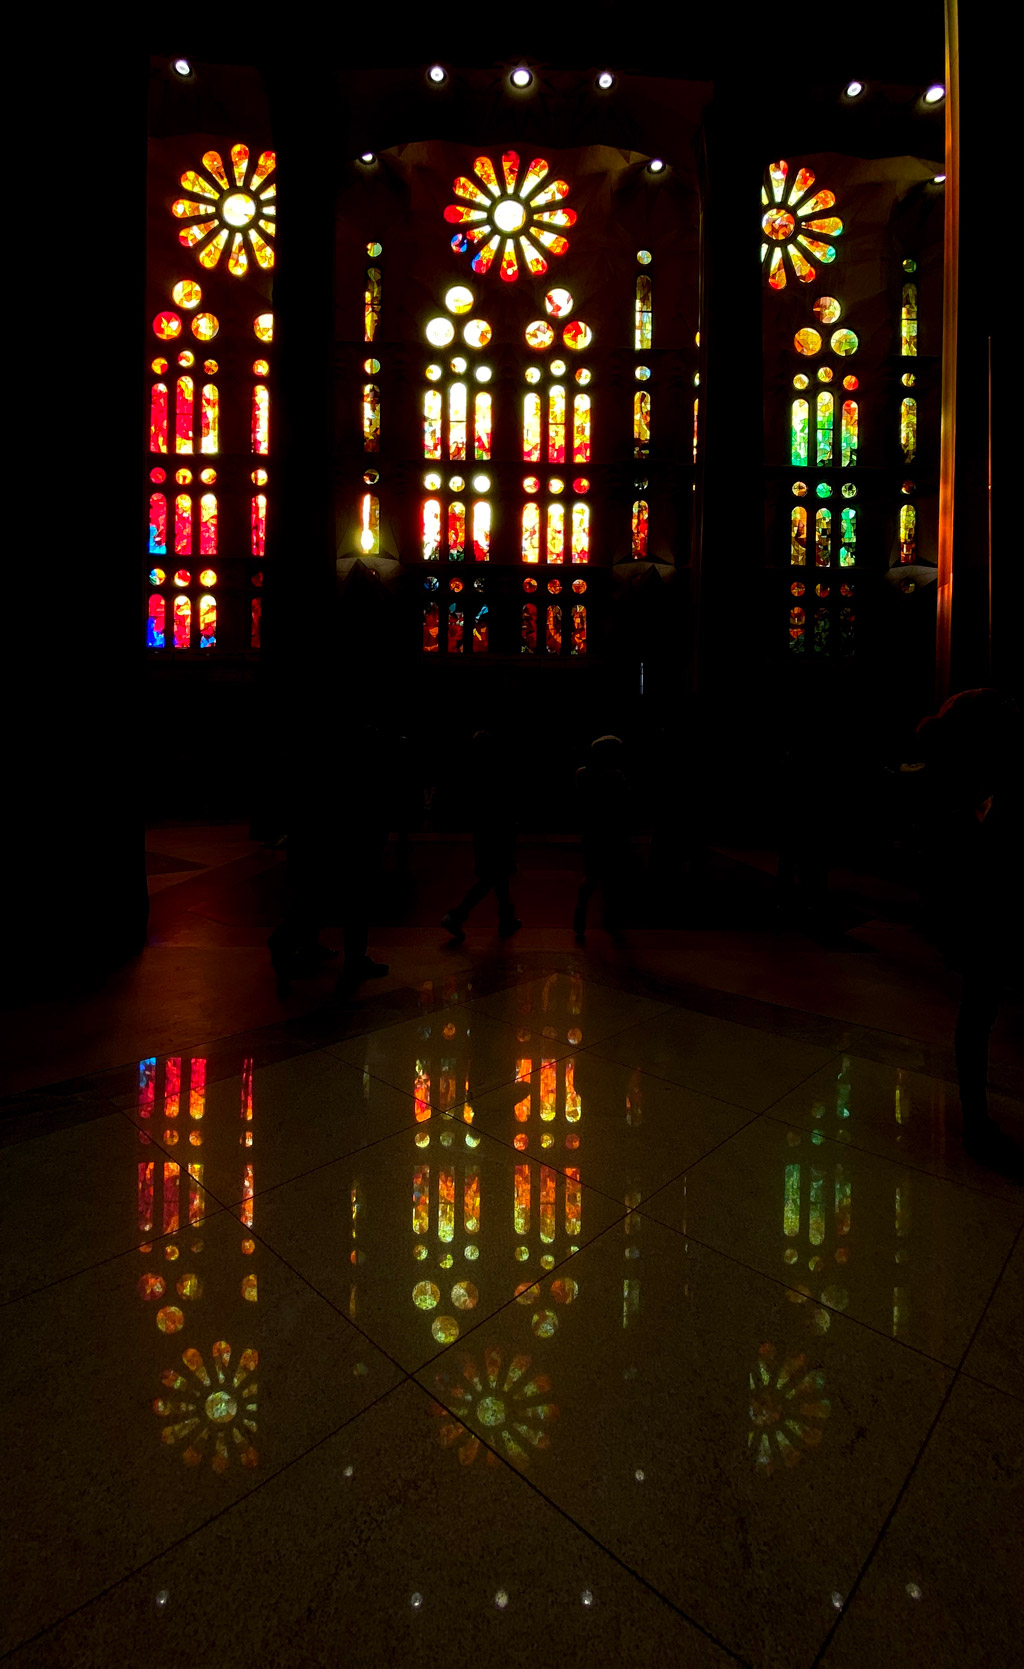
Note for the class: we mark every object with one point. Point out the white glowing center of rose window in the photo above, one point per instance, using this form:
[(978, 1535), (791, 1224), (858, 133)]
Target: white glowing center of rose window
[(238, 209), (509, 216)]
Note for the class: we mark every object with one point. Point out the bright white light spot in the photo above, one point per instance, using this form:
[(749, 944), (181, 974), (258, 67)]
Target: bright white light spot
[(587, 1597), (854, 89), (605, 79), (481, 483), (509, 216), (913, 1590), (416, 1601), (162, 1598), (938, 179), (482, 373), (436, 73), (367, 156), (521, 78), (935, 94), (182, 66), (639, 1474), (837, 1601), (347, 1472), (501, 1599), (656, 165)]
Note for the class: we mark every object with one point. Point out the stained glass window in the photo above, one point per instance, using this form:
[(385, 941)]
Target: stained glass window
[(641, 513)]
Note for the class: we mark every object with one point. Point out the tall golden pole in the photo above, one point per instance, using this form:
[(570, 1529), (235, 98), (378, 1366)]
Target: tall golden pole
[(947, 444)]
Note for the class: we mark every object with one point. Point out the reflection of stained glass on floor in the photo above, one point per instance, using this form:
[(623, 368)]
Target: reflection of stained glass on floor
[(507, 1408), (215, 1410), (788, 1409)]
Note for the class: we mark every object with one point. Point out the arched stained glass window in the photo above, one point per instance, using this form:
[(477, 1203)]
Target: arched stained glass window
[(482, 426), (581, 532), (183, 524), (581, 429), (155, 630), (531, 533), (822, 538), (579, 629), (556, 533), (158, 524), (369, 537), (261, 420), (431, 519), (908, 533), (528, 641), (182, 623), (531, 428), (183, 415), (207, 621), (456, 531), (259, 524), (847, 537), (432, 423), (553, 632), (824, 415), (481, 531), (210, 419), (158, 417), (908, 429), (208, 524), (850, 433), (798, 433), (371, 417), (641, 423), (556, 424), (641, 513), (908, 322), (643, 328), (371, 304), (798, 536)]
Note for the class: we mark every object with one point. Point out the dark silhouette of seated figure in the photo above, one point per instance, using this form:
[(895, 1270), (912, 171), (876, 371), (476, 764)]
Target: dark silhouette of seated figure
[(492, 806), (972, 752), (602, 795), (335, 839)]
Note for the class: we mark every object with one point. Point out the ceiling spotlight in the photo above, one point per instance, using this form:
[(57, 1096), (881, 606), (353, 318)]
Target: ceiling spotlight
[(605, 79), (521, 77), (437, 74), (935, 94), (182, 67), (938, 179), (854, 89), (367, 156), (656, 166)]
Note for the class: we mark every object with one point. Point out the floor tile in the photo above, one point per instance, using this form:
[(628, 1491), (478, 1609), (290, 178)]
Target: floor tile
[(448, 1056), (904, 1115), (79, 1195), (912, 1256), (997, 1353), (379, 1547), (732, 1063), (102, 1385), (702, 1426), (266, 1124), (418, 1243), (568, 1008), (626, 1132), (944, 1589)]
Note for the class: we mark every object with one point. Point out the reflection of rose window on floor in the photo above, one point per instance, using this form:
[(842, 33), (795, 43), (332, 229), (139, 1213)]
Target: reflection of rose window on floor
[(215, 1411), (517, 208), (234, 212), (507, 1409), (787, 230), (787, 1409)]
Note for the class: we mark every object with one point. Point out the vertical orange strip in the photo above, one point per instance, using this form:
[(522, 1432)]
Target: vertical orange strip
[(521, 1201), (421, 1199), (146, 1195), (197, 1089), (248, 1187), (171, 1173), (573, 1203), (547, 1205), (947, 440), (446, 1206), (471, 1200), (195, 1194)]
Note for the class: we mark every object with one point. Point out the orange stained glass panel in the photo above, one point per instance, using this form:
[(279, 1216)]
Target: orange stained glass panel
[(553, 634), (167, 326), (369, 535), (798, 536), (465, 188), (573, 1203), (510, 169), (183, 524), (421, 1200), (207, 621), (255, 622), (208, 525), (209, 256), (640, 521), (371, 304), (521, 1187), (531, 428), (456, 531), (261, 419), (455, 628), (182, 623), (482, 426), (431, 530), (552, 193), (258, 520), (430, 631), (643, 323), (578, 646), (209, 419), (908, 533), (531, 533), (457, 420), (547, 1199), (183, 415), (481, 531), (432, 423), (581, 429), (581, 533), (158, 417), (445, 1205), (371, 417), (556, 533), (641, 424), (266, 165), (509, 264), (556, 425)]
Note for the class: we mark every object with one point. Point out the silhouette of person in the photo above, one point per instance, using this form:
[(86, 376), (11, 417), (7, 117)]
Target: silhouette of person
[(972, 749), (494, 837), (601, 794)]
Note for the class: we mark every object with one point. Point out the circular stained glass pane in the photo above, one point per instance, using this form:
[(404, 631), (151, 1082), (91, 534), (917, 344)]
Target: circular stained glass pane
[(211, 367), (477, 332), (823, 490), (205, 327), (159, 366), (425, 1295), (849, 490), (208, 577), (432, 482), (263, 327), (642, 373), (778, 224), (167, 326), (908, 487), (558, 367), (556, 485), (807, 341), (583, 376), (481, 483), (579, 586), (577, 336), (371, 367), (800, 381), (799, 489), (528, 585), (440, 332), (465, 1295), (910, 266), (851, 383), (261, 368), (531, 484), (533, 375), (458, 365), (183, 477), (581, 484), (182, 577), (434, 373), (260, 477), (374, 249), (186, 293), (458, 299), (170, 1319), (539, 334), (456, 483), (208, 476), (644, 257), (445, 1329), (844, 342), (510, 216), (238, 209), (825, 373), (430, 584), (558, 304), (554, 586), (186, 358), (908, 379), (455, 585), (156, 576), (827, 309), (158, 475), (483, 373)]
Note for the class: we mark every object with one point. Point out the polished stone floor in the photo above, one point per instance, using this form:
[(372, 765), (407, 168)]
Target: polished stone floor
[(551, 1315)]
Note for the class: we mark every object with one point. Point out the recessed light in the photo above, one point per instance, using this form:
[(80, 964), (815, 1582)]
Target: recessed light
[(656, 166), (854, 89), (182, 67), (605, 79), (521, 77), (437, 73), (935, 93), (367, 156), (938, 179)]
